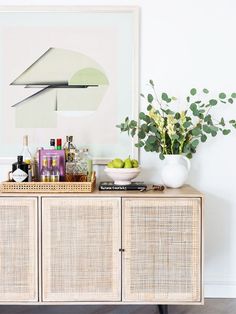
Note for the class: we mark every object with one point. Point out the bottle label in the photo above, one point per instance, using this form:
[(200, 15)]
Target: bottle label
[(19, 175), (45, 178), (54, 178)]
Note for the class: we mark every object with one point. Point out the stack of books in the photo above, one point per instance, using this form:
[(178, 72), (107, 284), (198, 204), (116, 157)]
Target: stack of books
[(110, 186)]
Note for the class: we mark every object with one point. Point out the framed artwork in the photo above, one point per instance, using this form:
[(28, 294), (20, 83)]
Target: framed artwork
[(68, 70)]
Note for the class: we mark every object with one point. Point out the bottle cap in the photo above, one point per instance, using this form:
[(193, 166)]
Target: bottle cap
[(52, 142), (20, 159), (59, 142)]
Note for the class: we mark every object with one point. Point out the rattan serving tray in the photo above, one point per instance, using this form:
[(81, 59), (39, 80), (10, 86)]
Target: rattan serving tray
[(48, 187)]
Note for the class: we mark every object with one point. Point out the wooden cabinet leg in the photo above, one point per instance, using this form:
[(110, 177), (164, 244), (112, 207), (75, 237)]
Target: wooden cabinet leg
[(163, 309)]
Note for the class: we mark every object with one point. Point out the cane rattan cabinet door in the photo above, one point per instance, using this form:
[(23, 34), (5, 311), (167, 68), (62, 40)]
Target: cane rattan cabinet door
[(162, 243), (18, 249), (81, 242)]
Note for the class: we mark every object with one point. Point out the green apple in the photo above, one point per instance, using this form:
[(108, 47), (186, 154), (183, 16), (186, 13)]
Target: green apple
[(118, 163), (135, 163), (128, 163), (110, 164)]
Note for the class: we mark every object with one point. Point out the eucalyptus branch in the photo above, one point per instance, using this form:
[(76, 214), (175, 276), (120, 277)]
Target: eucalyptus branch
[(171, 132), (156, 97)]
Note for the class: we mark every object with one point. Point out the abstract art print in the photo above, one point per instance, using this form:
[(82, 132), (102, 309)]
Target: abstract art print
[(68, 71), (64, 79)]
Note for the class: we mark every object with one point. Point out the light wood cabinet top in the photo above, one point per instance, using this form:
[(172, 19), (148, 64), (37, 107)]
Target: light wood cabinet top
[(185, 191)]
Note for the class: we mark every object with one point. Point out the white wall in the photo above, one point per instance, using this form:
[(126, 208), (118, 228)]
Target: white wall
[(186, 44)]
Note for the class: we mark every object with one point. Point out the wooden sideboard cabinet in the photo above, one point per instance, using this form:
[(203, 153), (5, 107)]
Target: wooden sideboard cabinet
[(102, 247), (18, 249), (81, 238)]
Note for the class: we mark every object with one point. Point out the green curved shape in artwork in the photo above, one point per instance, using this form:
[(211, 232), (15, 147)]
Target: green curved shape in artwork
[(88, 76)]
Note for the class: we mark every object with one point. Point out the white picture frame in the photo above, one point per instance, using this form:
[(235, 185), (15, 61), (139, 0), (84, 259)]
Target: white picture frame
[(121, 23)]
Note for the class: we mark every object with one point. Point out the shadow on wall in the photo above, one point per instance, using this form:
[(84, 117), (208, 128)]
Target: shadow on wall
[(194, 173), (217, 223)]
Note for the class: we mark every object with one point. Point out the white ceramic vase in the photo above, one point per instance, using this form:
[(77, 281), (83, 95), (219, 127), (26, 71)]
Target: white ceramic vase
[(175, 170)]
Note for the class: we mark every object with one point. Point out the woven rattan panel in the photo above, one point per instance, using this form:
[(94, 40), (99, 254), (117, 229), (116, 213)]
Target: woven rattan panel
[(18, 249), (81, 241), (162, 241)]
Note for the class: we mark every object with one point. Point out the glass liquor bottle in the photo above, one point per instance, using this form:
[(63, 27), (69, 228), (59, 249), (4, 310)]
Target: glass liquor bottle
[(69, 171), (20, 170), (36, 164), (52, 143), (70, 149), (88, 163), (27, 157), (77, 167), (45, 171), (55, 172), (58, 147)]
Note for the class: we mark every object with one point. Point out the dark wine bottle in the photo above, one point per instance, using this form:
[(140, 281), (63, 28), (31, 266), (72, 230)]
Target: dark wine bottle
[(20, 170)]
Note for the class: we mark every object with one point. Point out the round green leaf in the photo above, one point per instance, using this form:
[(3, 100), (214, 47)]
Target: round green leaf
[(213, 128), (142, 115), (151, 139), (140, 144), (226, 131), (213, 102), (193, 91), (187, 124), (193, 107), (150, 98), (195, 143), (189, 155), (233, 95), (141, 135), (145, 128), (177, 115), (133, 124), (161, 156), (230, 100), (133, 132), (196, 131), (208, 119), (206, 91), (151, 83), (222, 95), (206, 128), (203, 138), (153, 129), (164, 97)]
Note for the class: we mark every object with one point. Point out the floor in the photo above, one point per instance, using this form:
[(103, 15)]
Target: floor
[(212, 306)]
